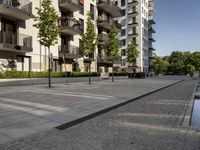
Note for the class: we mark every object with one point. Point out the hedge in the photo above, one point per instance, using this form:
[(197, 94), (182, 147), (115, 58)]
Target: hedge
[(25, 74)]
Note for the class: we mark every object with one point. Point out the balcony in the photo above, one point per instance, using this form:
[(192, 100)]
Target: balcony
[(151, 21), (70, 5), (133, 24), (103, 38), (103, 61), (132, 3), (151, 39), (69, 51), (16, 9), (109, 7), (132, 34), (151, 47), (70, 26), (151, 30), (133, 13), (14, 42), (107, 23)]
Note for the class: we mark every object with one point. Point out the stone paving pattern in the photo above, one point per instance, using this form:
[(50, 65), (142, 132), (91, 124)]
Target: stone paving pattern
[(26, 110), (150, 123)]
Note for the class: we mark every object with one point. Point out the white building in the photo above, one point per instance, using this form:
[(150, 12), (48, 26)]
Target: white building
[(137, 21), (19, 42)]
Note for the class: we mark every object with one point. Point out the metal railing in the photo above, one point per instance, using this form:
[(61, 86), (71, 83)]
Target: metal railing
[(132, 1), (110, 3), (70, 50), (69, 1), (104, 18), (24, 5), (69, 22), (16, 40)]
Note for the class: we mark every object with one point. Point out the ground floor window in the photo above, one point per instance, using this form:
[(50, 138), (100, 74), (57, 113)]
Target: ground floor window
[(56, 65), (23, 63)]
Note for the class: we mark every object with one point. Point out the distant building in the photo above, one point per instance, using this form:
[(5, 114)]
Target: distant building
[(137, 25)]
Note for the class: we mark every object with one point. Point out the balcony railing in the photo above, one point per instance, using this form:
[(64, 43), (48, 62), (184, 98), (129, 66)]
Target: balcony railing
[(132, 3), (133, 23), (110, 7), (70, 26), (107, 22), (14, 41), (133, 13), (70, 51), (19, 9), (72, 5)]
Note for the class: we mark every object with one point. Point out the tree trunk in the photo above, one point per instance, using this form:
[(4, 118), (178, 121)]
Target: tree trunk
[(132, 74), (112, 72), (89, 71), (49, 70)]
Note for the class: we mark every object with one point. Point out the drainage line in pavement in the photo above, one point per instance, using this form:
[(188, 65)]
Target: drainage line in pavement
[(78, 121)]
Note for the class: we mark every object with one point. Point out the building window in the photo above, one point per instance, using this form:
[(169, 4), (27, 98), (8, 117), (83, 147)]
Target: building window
[(123, 32), (81, 9), (123, 3), (123, 42), (124, 12), (123, 52), (123, 62), (92, 10), (81, 25), (23, 63)]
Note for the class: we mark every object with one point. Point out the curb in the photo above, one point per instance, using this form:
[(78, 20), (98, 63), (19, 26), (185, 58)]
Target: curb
[(95, 114), (188, 114)]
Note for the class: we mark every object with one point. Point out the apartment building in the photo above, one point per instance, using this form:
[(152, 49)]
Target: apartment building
[(137, 25), (19, 41)]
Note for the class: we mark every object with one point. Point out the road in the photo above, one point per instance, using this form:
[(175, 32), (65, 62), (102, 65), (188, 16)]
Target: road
[(153, 122)]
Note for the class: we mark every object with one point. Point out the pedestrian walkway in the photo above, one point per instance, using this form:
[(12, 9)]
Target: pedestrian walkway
[(152, 122), (27, 110)]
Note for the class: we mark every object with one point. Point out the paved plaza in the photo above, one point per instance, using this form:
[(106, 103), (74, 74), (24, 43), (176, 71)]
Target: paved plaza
[(30, 113)]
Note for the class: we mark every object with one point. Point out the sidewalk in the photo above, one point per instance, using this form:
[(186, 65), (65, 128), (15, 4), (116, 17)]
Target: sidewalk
[(27, 110)]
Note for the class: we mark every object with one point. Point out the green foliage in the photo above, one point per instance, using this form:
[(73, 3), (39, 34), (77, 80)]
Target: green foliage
[(89, 38), (132, 53), (160, 65), (47, 23), (177, 63), (195, 60), (190, 69), (112, 46), (24, 74)]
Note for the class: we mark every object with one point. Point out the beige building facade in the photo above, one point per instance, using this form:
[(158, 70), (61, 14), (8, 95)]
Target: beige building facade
[(19, 41), (133, 19)]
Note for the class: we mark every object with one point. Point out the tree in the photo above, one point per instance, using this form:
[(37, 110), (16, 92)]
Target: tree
[(47, 23), (190, 69), (132, 55), (160, 64), (195, 60), (112, 49), (89, 41)]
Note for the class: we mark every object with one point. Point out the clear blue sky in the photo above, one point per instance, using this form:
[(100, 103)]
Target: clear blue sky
[(178, 26)]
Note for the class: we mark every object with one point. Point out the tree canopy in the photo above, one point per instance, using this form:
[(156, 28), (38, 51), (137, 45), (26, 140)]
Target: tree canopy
[(132, 53), (89, 38), (112, 46), (177, 63), (47, 23)]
